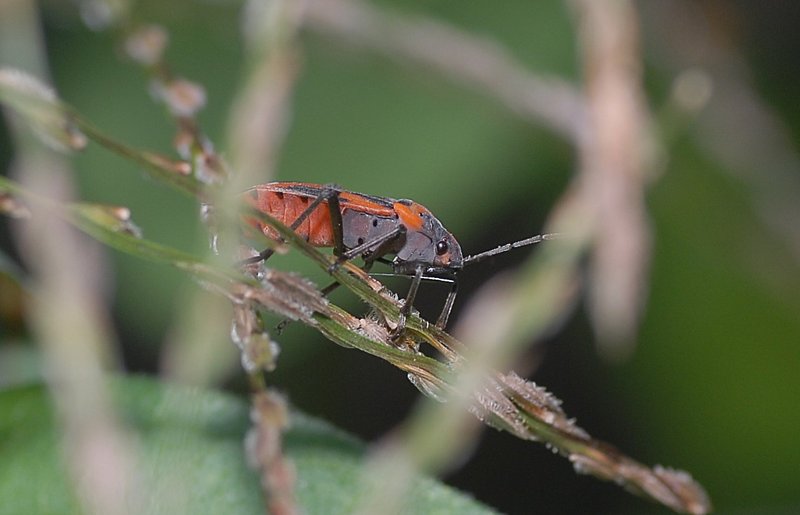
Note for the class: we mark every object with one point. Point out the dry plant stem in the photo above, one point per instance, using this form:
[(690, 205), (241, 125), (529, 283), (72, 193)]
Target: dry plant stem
[(61, 127), (146, 45), (67, 309), (69, 317), (504, 401), (184, 99), (173, 172), (463, 58), (613, 169)]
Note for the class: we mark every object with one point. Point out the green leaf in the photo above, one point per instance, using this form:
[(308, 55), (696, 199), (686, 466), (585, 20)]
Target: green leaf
[(190, 456)]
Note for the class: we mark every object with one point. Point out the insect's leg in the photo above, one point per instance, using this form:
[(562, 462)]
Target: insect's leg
[(408, 303), (336, 220), (441, 322)]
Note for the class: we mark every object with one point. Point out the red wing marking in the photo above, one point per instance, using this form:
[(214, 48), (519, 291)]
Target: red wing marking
[(287, 200)]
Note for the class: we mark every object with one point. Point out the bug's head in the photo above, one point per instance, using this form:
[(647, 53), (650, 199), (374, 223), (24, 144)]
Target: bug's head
[(430, 245)]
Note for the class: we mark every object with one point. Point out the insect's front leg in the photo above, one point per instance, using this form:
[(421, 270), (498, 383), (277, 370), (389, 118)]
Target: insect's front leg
[(441, 322)]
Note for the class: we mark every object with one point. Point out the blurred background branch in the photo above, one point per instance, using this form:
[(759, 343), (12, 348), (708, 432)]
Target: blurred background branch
[(737, 126), (67, 307), (466, 59), (614, 166)]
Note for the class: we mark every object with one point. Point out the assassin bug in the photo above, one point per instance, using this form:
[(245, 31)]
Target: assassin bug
[(372, 227)]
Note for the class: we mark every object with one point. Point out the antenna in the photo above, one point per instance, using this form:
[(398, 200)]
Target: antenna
[(508, 246)]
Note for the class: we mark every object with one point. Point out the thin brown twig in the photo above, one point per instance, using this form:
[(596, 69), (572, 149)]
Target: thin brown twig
[(146, 45), (270, 417), (504, 401)]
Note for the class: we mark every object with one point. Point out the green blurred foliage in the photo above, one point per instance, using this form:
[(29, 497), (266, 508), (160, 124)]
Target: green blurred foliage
[(713, 387), (189, 457)]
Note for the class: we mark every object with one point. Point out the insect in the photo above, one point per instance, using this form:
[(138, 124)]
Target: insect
[(371, 227)]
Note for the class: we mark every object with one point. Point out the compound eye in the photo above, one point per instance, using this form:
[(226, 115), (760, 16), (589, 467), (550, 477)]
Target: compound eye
[(442, 248)]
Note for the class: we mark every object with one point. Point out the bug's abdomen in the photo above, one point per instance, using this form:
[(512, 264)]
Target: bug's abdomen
[(286, 207)]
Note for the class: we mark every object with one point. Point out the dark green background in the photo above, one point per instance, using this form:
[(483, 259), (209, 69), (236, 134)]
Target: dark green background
[(714, 385)]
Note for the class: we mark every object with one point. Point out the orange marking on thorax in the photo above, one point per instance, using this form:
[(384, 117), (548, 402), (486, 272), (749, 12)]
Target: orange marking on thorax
[(411, 216)]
